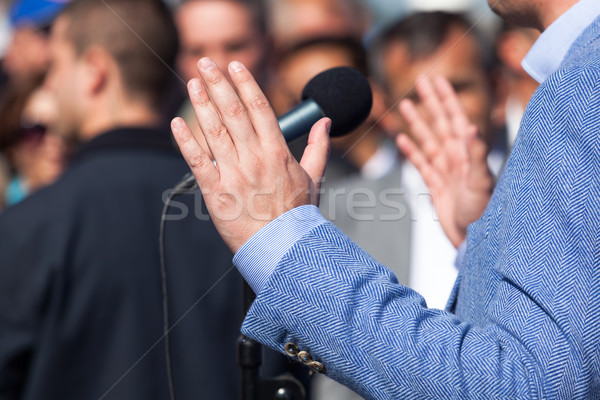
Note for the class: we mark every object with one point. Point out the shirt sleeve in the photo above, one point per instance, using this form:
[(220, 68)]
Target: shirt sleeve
[(258, 257)]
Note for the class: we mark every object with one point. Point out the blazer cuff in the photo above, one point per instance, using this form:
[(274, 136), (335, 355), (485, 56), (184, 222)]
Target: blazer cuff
[(258, 257)]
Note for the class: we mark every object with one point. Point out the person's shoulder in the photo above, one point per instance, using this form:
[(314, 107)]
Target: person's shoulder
[(577, 81), (584, 55), (33, 224), (37, 208)]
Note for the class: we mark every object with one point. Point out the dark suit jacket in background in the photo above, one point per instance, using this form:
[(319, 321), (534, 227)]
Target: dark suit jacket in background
[(80, 289)]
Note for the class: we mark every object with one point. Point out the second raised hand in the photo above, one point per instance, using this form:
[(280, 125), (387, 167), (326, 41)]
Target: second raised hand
[(254, 178), (451, 157)]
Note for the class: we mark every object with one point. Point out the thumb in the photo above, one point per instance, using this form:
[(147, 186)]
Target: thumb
[(314, 159)]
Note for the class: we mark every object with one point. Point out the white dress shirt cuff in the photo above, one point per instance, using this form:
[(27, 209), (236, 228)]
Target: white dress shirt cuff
[(258, 257)]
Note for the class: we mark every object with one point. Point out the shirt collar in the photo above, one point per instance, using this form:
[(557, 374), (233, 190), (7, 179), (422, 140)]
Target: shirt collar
[(128, 138), (550, 49)]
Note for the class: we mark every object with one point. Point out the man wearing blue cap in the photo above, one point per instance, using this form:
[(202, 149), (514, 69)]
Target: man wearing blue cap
[(28, 53)]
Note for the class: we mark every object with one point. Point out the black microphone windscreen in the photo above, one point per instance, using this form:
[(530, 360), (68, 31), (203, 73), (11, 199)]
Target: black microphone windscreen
[(344, 94)]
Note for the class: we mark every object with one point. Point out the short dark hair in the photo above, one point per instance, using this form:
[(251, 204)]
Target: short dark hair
[(423, 33), (139, 34), (349, 44)]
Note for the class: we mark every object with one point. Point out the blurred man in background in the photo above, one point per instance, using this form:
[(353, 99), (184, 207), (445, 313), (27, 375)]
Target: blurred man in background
[(432, 43), (225, 31), (80, 279), (293, 21), (295, 66), (372, 158)]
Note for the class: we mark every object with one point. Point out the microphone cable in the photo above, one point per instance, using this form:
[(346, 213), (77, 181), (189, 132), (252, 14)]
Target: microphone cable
[(187, 184)]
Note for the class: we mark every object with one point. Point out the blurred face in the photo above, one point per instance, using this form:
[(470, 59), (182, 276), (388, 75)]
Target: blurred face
[(459, 60), (297, 20), (64, 82), (222, 30), (27, 54), (297, 70), (39, 156)]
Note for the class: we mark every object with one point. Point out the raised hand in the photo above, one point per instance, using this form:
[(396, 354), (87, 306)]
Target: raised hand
[(254, 178), (451, 157)]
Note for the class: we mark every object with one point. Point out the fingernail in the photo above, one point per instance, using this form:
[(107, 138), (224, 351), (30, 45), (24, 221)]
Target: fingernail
[(206, 64), (328, 126), (177, 124), (235, 66), (195, 86)]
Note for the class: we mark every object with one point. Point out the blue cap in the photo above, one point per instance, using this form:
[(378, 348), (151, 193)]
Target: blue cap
[(36, 13)]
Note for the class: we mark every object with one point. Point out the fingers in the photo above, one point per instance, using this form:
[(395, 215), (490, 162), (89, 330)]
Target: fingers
[(454, 109), (435, 108), (200, 163), (197, 133), (228, 104), (259, 110), (421, 131), (215, 133), (244, 111), (431, 178), (314, 159)]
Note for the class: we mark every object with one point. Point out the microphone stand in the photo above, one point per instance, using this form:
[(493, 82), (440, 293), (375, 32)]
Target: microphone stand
[(250, 358)]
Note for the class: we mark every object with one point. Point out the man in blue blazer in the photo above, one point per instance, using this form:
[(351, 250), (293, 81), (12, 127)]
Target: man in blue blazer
[(523, 319)]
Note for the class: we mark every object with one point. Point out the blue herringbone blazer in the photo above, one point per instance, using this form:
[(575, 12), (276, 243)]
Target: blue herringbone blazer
[(524, 319)]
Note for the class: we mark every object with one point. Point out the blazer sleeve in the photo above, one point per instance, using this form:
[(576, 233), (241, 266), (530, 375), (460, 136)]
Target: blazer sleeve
[(329, 298)]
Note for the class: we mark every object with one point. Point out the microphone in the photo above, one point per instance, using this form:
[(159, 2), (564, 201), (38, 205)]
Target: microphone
[(343, 94)]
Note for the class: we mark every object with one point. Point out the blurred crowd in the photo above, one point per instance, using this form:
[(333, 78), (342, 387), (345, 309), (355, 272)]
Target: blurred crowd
[(370, 191), (284, 43)]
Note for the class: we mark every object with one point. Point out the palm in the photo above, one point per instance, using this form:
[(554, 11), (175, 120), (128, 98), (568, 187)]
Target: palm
[(450, 157)]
